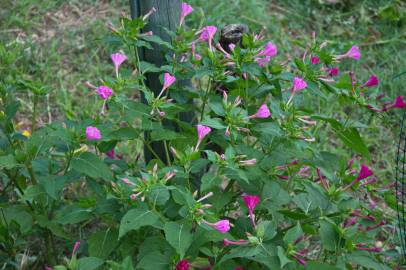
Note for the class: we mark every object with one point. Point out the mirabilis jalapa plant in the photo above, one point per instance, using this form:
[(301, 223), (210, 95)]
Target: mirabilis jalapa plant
[(245, 185)]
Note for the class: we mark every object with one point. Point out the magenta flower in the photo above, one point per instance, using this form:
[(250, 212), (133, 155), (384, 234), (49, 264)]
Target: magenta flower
[(183, 265), (399, 103), (372, 81), (222, 226), (75, 248), (251, 202), (93, 133), (111, 153), (365, 172), (263, 112), (202, 131), (168, 81), (118, 59), (269, 50), (353, 53), (208, 34), (314, 60), (185, 10), (333, 71), (48, 268), (104, 92), (248, 162), (261, 61), (298, 84)]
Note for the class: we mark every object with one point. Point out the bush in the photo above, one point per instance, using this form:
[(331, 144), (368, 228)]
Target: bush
[(232, 177)]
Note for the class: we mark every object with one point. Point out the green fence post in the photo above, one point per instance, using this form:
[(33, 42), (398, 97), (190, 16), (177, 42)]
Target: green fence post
[(167, 16)]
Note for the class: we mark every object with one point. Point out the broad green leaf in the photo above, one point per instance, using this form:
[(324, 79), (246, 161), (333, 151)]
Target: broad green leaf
[(18, 214), (102, 243), (178, 236), (159, 194), (89, 263), (135, 219), (214, 123), (366, 261), (90, 165), (314, 265), (154, 261), (283, 260), (8, 162), (72, 214), (293, 234), (329, 235)]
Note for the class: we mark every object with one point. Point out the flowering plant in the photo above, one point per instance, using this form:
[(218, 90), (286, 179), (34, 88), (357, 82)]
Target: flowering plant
[(243, 185)]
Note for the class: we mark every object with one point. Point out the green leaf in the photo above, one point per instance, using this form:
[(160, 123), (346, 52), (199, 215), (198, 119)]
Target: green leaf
[(89, 263), (159, 194), (165, 134), (313, 265), (214, 123), (135, 219), (18, 214), (90, 165), (293, 234), (72, 214), (102, 243), (329, 235), (8, 162), (154, 261), (366, 261), (178, 236), (282, 257), (125, 133)]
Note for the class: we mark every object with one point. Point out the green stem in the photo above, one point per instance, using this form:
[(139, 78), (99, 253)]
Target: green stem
[(206, 96), (168, 158), (34, 114)]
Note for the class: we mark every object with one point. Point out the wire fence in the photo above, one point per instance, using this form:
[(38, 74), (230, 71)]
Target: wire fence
[(401, 183)]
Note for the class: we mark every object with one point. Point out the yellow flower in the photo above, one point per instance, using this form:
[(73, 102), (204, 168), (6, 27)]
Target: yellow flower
[(26, 133)]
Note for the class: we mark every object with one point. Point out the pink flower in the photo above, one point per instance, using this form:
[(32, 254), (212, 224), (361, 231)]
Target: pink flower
[(362, 246), (372, 81), (263, 112), (365, 172), (333, 71), (251, 202), (353, 53), (111, 153), (239, 268), (118, 59), (202, 131), (231, 46), (269, 50), (261, 61), (104, 92), (222, 226), (314, 60), (48, 268), (75, 248), (350, 222), (228, 242), (207, 34), (183, 265), (168, 80), (185, 10), (93, 133), (399, 103), (298, 84)]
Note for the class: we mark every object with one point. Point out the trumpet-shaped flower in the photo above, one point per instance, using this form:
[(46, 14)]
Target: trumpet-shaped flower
[(372, 81), (93, 133), (202, 131), (365, 172), (251, 202), (353, 53), (263, 112), (118, 59), (314, 60), (183, 265), (269, 50), (222, 226), (104, 92), (185, 9), (298, 84)]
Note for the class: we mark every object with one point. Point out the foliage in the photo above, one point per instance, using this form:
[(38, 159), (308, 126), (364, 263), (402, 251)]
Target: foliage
[(251, 157)]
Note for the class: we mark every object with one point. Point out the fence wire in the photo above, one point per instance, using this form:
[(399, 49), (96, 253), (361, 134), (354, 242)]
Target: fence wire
[(401, 183)]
